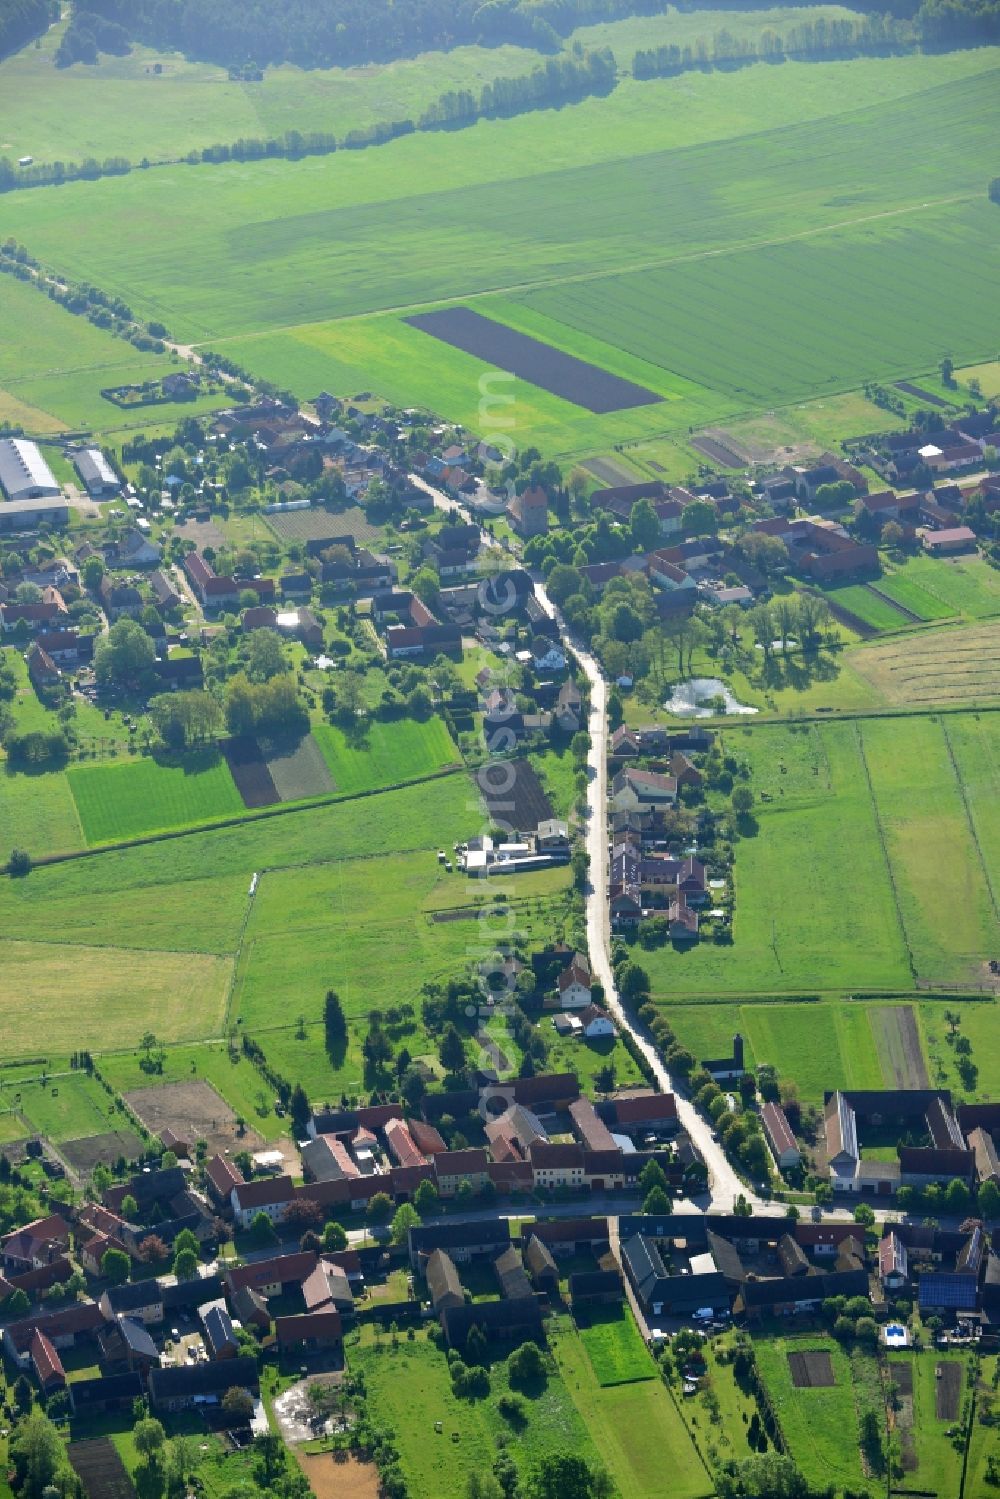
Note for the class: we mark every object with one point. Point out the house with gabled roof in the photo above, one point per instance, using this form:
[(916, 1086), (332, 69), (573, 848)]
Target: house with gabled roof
[(272, 1196), (780, 1137), (183, 1386), (634, 790), (36, 1243), (540, 1264), (573, 985), (221, 1177), (47, 1364), (443, 1281)]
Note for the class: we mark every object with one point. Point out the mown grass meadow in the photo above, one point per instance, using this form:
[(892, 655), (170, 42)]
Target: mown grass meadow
[(120, 801), (616, 1351)]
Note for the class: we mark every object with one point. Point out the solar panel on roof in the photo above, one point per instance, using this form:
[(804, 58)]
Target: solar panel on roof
[(957, 1292)]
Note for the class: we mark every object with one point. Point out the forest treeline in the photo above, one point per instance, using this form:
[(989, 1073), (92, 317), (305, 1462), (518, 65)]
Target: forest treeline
[(558, 80), (817, 38)]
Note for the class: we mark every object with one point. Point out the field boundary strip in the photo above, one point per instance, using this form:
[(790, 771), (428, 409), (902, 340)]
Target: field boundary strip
[(885, 850), (984, 866)]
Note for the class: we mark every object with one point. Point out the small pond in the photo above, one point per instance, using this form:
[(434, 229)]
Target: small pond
[(694, 699)]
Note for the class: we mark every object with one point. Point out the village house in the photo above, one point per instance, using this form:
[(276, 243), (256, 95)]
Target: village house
[(528, 513), (37, 1244), (271, 1196), (452, 1167), (42, 670), (634, 790), (573, 985), (141, 1300), (892, 1262)]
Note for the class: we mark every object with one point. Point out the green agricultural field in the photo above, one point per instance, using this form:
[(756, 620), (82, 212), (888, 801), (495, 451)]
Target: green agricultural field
[(825, 1046), (827, 923), (941, 881), (961, 585), (409, 1390), (507, 221), (636, 1427), (400, 750), (616, 1351), (365, 928), (38, 813), (88, 994), (868, 606), (909, 593), (973, 740), (121, 801), (948, 666), (820, 1424), (55, 364), (186, 915), (417, 817), (832, 923)]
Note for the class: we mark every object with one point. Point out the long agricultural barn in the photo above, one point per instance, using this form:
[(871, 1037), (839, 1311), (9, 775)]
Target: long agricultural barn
[(28, 515), (99, 478), (24, 474)]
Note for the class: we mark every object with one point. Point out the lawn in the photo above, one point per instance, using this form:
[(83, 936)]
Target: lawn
[(636, 1427), (69, 1107), (985, 1441), (820, 1424), (409, 1390), (128, 800), (380, 754), (981, 1025), (729, 162), (557, 771), (616, 1351), (91, 994), (813, 425)]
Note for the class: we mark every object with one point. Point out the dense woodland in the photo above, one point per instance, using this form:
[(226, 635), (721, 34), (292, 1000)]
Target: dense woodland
[(324, 33), (20, 20)]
